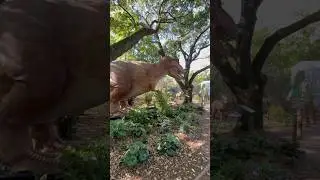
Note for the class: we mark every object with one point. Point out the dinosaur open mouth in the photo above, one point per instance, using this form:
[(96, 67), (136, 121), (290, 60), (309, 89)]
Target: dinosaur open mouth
[(177, 75)]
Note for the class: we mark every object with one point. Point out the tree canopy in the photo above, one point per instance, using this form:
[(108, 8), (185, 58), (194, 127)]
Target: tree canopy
[(177, 21)]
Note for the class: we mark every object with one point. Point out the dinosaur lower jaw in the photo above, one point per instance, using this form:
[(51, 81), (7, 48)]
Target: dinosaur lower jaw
[(37, 162)]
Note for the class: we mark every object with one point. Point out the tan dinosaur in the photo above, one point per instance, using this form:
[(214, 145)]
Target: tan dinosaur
[(132, 78), (52, 62)]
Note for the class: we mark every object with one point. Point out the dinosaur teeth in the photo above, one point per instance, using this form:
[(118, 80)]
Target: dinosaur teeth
[(42, 157)]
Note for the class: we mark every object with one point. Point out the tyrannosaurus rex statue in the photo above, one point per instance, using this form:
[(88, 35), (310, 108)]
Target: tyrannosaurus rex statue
[(52, 62), (132, 78)]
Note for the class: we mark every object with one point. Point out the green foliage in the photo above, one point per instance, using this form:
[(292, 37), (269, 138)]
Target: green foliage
[(90, 162), (121, 128), (148, 98), (168, 144), (192, 16), (285, 54), (204, 76), (277, 113), (142, 115), (289, 51), (251, 157), (162, 102), (137, 153), (188, 108), (118, 128), (138, 122)]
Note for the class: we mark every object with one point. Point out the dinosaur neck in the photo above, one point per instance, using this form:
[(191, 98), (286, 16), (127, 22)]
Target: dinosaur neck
[(119, 48)]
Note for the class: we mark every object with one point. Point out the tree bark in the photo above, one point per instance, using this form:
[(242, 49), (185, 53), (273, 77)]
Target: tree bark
[(188, 93), (252, 98)]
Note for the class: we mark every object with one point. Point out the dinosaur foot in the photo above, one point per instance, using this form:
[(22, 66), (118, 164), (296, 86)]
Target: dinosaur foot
[(37, 162)]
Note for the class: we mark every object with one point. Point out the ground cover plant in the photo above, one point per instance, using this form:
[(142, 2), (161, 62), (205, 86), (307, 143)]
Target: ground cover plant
[(160, 120)]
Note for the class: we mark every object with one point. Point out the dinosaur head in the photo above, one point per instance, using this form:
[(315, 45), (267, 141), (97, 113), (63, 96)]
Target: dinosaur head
[(175, 70)]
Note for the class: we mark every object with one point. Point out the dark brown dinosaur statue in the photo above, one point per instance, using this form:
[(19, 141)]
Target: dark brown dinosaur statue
[(132, 78), (52, 62)]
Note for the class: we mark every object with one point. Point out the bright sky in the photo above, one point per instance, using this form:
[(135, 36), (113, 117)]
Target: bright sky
[(271, 14), (200, 63)]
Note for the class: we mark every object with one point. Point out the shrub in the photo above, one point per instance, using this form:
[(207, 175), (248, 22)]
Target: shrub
[(142, 116), (90, 162), (121, 128), (137, 153), (136, 129), (168, 144), (118, 128)]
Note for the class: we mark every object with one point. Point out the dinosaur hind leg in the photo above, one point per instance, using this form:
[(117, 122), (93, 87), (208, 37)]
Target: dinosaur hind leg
[(116, 99)]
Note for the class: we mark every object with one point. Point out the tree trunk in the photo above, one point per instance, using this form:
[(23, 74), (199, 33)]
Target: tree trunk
[(188, 94), (253, 99)]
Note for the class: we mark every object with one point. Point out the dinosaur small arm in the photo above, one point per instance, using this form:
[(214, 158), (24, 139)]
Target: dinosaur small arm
[(132, 78)]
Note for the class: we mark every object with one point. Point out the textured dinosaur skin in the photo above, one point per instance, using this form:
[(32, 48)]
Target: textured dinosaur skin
[(52, 62), (132, 78)]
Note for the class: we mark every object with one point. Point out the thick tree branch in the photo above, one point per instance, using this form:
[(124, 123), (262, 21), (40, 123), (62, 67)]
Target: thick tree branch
[(228, 73), (119, 48), (161, 49), (246, 27), (180, 83), (185, 55), (196, 40), (197, 72), (273, 39)]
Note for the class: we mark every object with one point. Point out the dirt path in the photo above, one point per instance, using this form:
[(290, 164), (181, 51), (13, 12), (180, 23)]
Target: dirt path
[(205, 127), (192, 161), (308, 167)]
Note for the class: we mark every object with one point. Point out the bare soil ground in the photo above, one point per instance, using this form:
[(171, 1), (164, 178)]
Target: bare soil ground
[(308, 166), (192, 160)]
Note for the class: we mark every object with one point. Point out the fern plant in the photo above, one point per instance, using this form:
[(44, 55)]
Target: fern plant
[(162, 102)]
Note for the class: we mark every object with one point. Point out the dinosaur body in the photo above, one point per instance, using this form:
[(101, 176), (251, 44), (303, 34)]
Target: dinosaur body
[(52, 63), (133, 78)]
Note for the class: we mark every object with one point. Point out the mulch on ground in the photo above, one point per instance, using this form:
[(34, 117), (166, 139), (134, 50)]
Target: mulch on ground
[(191, 160)]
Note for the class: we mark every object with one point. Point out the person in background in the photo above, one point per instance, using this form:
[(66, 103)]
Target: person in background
[(297, 98)]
